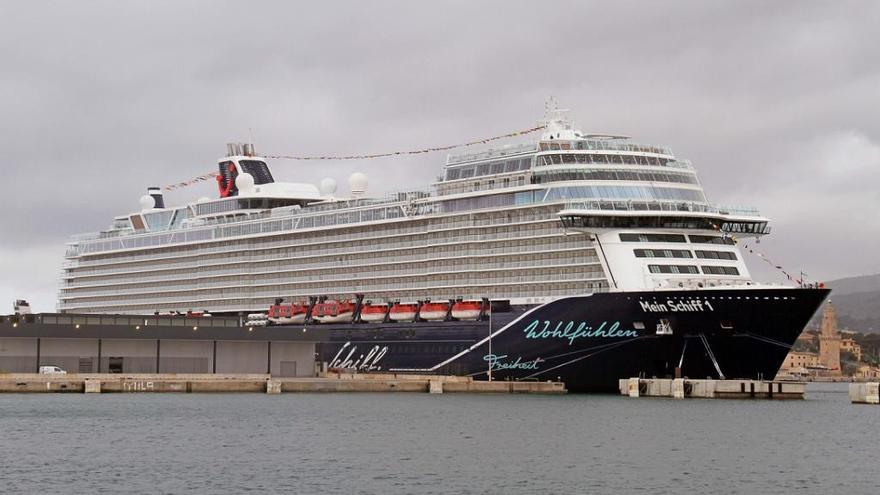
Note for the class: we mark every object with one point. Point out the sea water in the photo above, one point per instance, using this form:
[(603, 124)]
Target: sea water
[(423, 444)]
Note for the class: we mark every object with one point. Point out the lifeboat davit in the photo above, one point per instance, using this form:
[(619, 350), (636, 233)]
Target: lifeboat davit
[(467, 310), (434, 311), (374, 312), (403, 311), (288, 314), (333, 311)]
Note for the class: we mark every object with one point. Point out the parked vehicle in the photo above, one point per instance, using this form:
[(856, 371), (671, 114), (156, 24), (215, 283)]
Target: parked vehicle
[(51, 370)]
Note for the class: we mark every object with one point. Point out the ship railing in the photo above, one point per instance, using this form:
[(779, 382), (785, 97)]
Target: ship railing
[(293, 266), (189, 273), (619, 145), (263, 278), (316, 251), (85, 237), (682, 164), (500, 152), (340, 238), (248, 304), (675, 206), (195, 299)]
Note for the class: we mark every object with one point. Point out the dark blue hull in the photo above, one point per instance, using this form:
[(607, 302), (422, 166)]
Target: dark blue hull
[(590, 342)]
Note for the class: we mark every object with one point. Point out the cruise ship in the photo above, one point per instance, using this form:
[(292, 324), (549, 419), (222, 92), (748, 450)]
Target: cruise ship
[(573, 256)]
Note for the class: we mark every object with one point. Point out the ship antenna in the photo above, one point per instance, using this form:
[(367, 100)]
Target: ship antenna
[(555, 118), (552, 111)]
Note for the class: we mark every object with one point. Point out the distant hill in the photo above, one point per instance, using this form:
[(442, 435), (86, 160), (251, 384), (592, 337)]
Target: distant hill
[(855, 285), (857, 300)]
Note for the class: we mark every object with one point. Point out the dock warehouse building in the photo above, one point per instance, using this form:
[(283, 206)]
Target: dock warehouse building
[(154, 344)]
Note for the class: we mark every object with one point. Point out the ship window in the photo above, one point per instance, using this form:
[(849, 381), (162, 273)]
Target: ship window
[(258, 170), (651, 237), (498, 167), (720, 270), (452, 174), (663, 253), (483, 169), (710, 239), (673, 269), (137, 222), (467, 173), (716, 255)]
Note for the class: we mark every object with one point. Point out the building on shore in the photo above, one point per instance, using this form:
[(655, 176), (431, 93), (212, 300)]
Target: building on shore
[(868, 372), (826, 362), (800, 360), (850, 345)]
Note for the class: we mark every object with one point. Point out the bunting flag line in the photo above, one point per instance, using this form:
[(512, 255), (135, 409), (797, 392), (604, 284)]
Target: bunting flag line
[(410, 152), (209, 176), (760, 255), (194, 180)]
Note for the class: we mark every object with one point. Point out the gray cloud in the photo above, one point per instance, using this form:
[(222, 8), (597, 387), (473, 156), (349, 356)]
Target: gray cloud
[(772, 101)]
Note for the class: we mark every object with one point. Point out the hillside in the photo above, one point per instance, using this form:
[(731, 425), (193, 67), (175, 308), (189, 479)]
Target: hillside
[(855, 285), (857, 300)]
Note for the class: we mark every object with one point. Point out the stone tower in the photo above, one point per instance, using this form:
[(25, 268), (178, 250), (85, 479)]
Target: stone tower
[(829, 341)]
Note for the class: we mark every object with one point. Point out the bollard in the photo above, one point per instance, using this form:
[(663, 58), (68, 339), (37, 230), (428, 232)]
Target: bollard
[(435, 386), (273, 387), (93, 386), (678, 388), (633, 387)]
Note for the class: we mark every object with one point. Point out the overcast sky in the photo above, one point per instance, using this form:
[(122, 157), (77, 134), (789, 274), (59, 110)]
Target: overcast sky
[(776, 104)]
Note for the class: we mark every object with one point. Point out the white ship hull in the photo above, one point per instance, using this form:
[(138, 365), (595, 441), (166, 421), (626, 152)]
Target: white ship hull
[(519, 223)]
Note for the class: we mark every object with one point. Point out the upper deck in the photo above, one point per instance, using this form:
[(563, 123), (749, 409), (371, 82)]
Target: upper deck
[(562, 166)]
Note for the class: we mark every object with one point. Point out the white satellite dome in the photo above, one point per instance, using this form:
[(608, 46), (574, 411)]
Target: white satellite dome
[(327, 186), (244, 182), (358, 183), (147, 202)]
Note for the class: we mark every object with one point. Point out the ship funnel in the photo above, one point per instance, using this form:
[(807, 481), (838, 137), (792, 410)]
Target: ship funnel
[(233, 149), (156, 193), (240, 149)]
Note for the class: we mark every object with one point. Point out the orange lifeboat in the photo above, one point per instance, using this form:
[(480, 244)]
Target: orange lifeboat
[(403, 311), (434, 311), (373, 312), (333, 311), (288, 314), (467, 310)]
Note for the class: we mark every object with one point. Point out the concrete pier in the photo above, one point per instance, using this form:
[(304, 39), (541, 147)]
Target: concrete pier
[(260, 383), (685, 388), (864, 393)]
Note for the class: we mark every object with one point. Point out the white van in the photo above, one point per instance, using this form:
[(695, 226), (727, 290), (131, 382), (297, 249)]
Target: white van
[(51, 370)]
